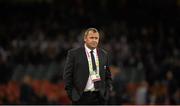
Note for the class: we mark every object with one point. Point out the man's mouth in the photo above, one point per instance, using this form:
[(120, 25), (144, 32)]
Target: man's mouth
[(94, 44)]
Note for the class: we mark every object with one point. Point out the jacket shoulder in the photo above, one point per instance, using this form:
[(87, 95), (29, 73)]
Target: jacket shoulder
[(104, 51), (75, 49)]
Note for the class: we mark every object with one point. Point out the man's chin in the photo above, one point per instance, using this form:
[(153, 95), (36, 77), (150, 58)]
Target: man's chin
[(94, 47)]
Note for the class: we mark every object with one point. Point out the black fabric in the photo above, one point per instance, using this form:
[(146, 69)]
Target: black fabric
[(90, 98), (93, 61), (96, 84), (76, 73)]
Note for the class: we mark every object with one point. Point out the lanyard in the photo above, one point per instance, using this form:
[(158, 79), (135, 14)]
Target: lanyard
[(92, 72)]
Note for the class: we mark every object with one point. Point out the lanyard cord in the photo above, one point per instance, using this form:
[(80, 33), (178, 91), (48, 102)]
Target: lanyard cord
[(92, 72)]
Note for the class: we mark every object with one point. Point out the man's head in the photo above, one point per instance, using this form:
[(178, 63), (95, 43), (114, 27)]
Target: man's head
[(91, 38)]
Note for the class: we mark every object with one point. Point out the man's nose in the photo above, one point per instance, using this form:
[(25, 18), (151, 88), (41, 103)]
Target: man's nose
[(94, 39)]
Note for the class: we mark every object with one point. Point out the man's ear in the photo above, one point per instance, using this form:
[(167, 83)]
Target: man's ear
[(84, 39)]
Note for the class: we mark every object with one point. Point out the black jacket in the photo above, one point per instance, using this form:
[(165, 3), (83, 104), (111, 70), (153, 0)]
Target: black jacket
[(76, 73)]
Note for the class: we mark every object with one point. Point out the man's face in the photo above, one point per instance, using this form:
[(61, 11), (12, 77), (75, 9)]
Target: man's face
[(92, 39)]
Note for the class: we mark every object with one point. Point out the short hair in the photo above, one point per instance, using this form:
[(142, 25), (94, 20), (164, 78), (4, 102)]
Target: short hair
[(90, 29)]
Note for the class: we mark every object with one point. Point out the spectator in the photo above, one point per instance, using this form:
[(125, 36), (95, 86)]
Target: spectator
[(27, 94)]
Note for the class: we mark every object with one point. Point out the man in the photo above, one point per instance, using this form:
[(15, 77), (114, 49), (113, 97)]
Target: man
[(87, 76)]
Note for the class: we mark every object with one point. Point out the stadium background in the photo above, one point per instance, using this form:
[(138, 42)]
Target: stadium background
[(141, 35)]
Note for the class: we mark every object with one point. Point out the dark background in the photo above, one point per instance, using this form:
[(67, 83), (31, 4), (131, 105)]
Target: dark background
[(141, 35)]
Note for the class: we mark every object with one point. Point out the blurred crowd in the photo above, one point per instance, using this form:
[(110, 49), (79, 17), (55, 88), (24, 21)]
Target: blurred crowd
[(141, 37)]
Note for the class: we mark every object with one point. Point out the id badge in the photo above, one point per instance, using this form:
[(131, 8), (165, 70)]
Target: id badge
[(95, 78)]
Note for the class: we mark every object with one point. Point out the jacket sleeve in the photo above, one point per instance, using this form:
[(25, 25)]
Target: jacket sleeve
[(68, 73), (108, 73), (108, 79)]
